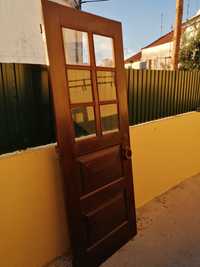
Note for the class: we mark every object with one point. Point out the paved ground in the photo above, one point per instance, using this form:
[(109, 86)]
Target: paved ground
[(168, 231)]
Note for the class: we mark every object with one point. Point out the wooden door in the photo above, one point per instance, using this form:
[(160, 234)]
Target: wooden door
[(90, 102)]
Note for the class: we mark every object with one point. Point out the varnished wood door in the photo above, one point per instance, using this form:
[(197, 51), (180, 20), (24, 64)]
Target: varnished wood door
[(90, 102)]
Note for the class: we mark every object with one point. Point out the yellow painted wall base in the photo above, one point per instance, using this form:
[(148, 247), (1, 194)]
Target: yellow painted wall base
[(33, 228), (165, 152), (33, 225)]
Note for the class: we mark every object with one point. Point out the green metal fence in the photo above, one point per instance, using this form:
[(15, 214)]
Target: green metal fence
[(26, 116), (154, 94)]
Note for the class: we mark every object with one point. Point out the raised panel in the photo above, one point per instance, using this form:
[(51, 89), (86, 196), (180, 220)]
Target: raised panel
[(108, 216), (100, 168), (103, 249)]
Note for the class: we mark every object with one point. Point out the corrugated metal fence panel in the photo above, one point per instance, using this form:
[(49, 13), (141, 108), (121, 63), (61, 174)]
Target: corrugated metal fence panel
[(154, 94), (26, 117)]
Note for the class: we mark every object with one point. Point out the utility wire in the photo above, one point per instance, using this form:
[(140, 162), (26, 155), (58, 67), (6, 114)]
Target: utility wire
[(77, 4), (92, 1)]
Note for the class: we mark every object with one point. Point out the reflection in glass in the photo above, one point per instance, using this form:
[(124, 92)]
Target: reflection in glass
[(104, 52), (106, 85), (84, 121), (80, 87), (76, 47), (109, 118)]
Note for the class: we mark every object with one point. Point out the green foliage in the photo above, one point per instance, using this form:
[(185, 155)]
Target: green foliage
[(189, 57)]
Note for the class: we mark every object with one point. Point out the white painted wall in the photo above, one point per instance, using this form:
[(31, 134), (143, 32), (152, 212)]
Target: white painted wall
[(21, 38), (159, 51), (158, 57), (136, 65)]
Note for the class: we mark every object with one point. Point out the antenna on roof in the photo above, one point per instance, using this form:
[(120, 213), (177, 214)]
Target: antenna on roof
[(188, 9), (161, 26)]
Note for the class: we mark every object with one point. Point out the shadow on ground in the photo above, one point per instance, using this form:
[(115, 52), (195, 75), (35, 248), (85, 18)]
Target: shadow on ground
[(168, 231)]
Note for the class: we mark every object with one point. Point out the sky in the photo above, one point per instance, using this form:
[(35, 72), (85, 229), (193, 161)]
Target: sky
[(141, 19)]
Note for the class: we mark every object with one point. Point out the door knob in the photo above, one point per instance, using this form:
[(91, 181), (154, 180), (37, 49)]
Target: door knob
[(126, 152)]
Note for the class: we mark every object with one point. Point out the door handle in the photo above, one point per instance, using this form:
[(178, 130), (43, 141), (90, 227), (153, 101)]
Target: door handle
[(126, 152)]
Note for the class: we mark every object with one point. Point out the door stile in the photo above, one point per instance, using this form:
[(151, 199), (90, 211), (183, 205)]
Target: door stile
[(64, 126), (123, 109)]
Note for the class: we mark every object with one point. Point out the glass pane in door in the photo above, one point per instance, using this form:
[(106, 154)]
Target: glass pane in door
[(106, 85), (80, 86), (104, 51), (84, 121), (76, 47), (109, 118)]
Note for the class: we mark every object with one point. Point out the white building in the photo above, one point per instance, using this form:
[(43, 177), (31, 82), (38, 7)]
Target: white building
[(22, 31), (158, 54)]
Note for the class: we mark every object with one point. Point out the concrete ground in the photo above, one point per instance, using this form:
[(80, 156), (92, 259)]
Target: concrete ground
[(168, 231)]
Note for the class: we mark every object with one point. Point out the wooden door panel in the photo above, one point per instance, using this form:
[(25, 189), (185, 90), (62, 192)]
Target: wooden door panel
[(106, 218), (94, 199), (107, 246), (94, 146), (100, 168)]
